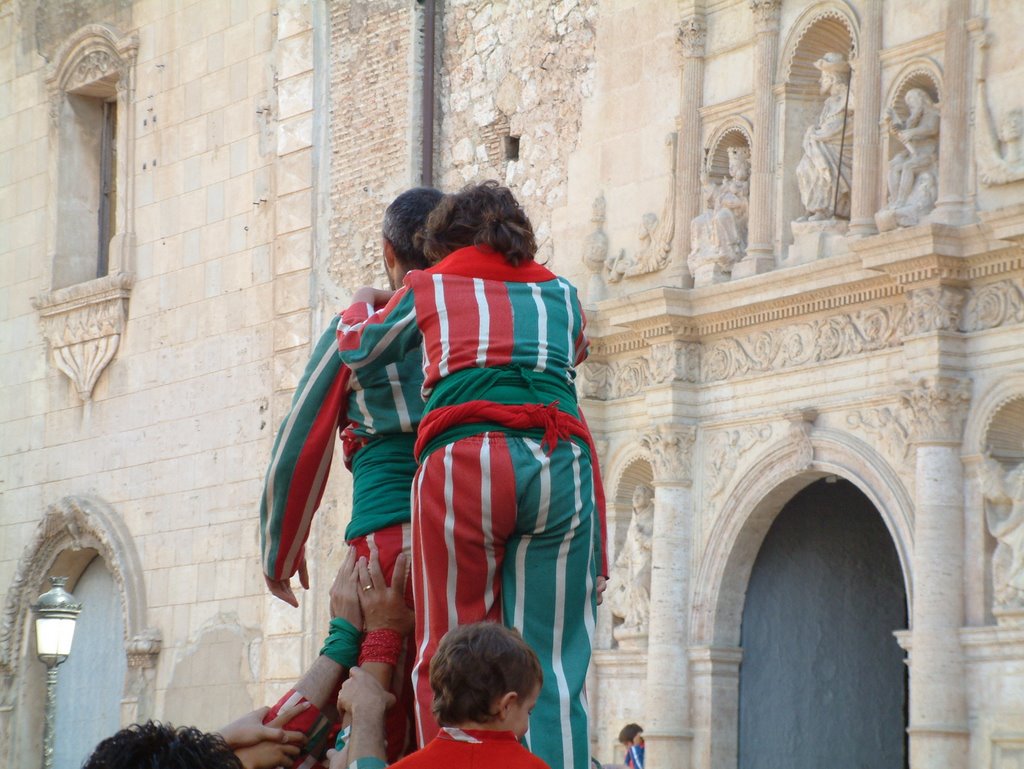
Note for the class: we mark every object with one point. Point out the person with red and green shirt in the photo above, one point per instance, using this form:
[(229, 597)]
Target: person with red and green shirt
[(505, 497), (377, 414)]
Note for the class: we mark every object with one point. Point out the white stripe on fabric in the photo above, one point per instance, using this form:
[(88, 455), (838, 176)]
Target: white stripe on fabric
[(544, 503), (484, 332), (442, 319), (487, 520), (282, 442), (589, 620), (360, 399), (571, 341), (542, 329), (422, 605), (319, 480), (401, 407), (397, 327), (449, 537)]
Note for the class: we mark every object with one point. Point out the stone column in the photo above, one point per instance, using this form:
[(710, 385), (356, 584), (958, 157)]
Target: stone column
[(761, 248), (938, 726), (691, 37), (716, 697), (866, 143), (951, 207), (666, 725)]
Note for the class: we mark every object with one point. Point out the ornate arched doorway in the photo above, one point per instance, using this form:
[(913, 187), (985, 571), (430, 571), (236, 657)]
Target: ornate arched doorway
[(822, 681)]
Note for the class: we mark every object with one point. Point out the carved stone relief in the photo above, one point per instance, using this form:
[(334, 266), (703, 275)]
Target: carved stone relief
[(669, 448), (83, 326), (996, 304), (933, 308), (1000, 160), (913, 174), (692, 36), (655, 233), (629, 595), (824, 172), (725, 449), (936, 410), (876, 328), (92, 67), (799, 433), (674, 361), (595, 252), (1003, 490), (887, 426), (718, 236)]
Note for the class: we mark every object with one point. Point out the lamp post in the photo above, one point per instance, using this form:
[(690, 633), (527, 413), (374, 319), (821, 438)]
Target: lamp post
[(56, 613)]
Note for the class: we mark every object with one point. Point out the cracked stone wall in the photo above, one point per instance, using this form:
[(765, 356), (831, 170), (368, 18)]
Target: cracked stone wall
[(521, 69)]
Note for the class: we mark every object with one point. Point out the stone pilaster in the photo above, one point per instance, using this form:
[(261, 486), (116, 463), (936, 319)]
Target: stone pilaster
[(692, 37), (715, 685), (954, 132), (760, 249), (937, 408), (666, 728), (866, 141)]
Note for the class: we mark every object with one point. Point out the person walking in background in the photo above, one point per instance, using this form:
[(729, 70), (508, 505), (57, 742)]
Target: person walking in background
[(632, 738)]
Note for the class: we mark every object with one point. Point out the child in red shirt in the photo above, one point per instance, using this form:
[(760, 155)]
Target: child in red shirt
[(485, 681)]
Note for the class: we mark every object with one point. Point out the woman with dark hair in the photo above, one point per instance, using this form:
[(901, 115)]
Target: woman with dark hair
[(504, 500)]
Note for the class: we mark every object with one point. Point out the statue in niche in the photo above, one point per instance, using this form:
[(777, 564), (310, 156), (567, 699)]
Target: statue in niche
[(595, 252), (718, 237), (629, 592), (913, 177), (823, 173), (1004, 514)]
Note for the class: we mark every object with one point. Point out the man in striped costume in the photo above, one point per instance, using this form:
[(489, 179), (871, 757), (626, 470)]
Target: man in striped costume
[(505, 496), (377, 413)]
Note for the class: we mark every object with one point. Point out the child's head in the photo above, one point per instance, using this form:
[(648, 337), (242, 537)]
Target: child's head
[(630, 735), (485, 676)]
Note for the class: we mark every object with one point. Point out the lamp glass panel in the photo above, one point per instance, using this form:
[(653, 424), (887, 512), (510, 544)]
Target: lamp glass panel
[(54, 636)]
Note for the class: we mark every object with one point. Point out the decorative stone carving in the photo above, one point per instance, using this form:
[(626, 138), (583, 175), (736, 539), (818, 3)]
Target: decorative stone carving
[(933, 308), (1004, 513), (718, 237), (669, 448), (674, 361), (629, 595), (1000, 160), (92, 67), (800, 424), (766, 14), (692, 36), (936, 410), (996, 304), (655, 233), (823, 174), (867, 330), (144, 648), (725, 449), (913, 177), (83, 325), (595, 252), (887, 425)]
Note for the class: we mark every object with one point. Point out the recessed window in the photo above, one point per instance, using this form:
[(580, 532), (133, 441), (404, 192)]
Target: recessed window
[(511, 145)]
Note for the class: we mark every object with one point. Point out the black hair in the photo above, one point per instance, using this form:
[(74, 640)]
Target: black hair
[(404, 218), (154, 745)]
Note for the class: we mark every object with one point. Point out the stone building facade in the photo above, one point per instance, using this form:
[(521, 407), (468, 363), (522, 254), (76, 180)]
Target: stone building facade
[(797, 226)]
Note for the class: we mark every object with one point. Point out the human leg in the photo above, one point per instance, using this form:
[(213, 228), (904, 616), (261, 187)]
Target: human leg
[(457, 558), (548, 591)]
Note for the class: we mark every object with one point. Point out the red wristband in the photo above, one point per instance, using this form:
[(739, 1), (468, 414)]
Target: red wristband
[(381, 646)]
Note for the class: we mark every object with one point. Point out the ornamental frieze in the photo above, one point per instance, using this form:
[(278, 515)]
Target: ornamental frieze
[(934, 308), (997, 304), (869, 330)]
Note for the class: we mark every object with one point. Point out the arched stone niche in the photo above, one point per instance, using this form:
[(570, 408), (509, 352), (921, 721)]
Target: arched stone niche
[(822, 28), (72, 532), (735, 132), (993, 456), (733, 543)]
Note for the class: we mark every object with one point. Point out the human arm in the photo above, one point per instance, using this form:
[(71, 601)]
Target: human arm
[(384, 609), (265, 746), (364, 699), (299, 466), (368, 338)]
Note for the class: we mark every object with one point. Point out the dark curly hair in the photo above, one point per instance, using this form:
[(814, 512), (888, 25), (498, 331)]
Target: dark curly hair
[(154, 745), (475, 665), (484, 214)]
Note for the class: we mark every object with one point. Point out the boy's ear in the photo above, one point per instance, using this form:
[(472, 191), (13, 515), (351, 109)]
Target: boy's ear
[(505, 701), (389, 254)]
